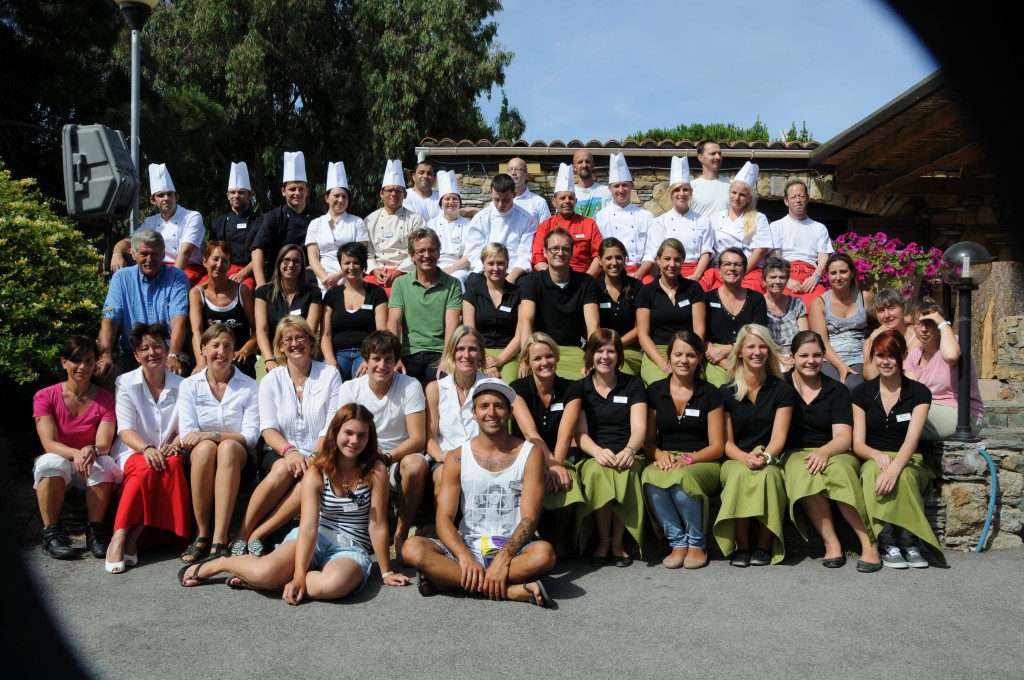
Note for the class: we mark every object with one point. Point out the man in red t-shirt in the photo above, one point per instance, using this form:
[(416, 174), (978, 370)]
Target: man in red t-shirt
[(585, 233)]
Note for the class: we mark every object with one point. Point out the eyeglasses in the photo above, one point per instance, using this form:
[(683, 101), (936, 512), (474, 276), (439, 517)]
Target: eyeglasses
[(560, 249), (294, 340), (425, 251), (291, 260), (730, 265)]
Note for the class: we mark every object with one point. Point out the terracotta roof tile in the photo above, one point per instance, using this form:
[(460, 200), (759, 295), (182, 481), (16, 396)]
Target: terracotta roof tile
[(630, 143)]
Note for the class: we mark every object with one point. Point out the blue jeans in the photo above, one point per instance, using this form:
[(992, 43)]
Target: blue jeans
[(680, 516), (349, 360)]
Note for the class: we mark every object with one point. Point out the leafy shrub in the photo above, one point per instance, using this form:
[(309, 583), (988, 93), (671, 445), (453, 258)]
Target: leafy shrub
[(885, 262)]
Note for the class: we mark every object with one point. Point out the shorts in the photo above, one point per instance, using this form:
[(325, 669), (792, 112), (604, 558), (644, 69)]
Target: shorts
[(333, 546), (104, 470), (484, 560), (393, 471)]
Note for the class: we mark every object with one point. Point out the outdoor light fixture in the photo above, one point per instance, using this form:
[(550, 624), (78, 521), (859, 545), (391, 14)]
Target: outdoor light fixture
[(970, 265)]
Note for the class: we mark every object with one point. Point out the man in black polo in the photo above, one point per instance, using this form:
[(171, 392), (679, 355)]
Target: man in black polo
[(286, 224), (237, 227)]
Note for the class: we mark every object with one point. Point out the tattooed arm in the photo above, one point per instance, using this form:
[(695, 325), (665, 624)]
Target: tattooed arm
[(496, 582)]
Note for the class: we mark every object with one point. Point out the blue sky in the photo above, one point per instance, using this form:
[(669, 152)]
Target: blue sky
[(604, 69)]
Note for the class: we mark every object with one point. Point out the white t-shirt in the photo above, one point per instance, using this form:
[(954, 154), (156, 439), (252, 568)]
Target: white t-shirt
[(631, 225), (515, 229), (404, 397), (185, 226), (729, 234), (280, 407), (801, 240), (347, 228), (534, 204), (710, 196), (427, 208), (590, 201), (453, 238), (692, 229)]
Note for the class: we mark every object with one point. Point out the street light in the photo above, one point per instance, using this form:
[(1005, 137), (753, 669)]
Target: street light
[(970, 264), (136, 12)]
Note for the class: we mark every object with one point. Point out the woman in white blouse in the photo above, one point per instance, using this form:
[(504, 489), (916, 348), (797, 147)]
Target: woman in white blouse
[(742, 226), (451, 228), (296, 404), (218, 421), (329, 232)]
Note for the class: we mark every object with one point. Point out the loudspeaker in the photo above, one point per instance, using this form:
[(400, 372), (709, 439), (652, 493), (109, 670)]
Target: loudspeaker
[(100, 182)]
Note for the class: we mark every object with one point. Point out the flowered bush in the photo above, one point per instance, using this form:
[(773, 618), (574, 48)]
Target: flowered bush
[(884, 262), (50, 283)]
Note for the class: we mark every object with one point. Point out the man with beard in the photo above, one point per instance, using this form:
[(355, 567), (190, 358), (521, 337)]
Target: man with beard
[(710, 192), (237, 226), (590, 196), (423, 200)]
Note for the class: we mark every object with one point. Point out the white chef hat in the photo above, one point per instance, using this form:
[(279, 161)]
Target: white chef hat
[(565, 181), (748, 175), (159, 179), (680, 172), (336, 176), (447, 183), (618, 171), (393, 175), (238, 177), (294, 167)]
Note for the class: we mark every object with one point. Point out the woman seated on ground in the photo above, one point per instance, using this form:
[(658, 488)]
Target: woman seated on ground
[(218, 422), (889, 307), (667, 305), (221, 300), (352, 310), (730, 308), (561, 302), (449, 410), (287, 294), (742, 227), (538, 419), (840, 317), (617, 293), (758, 410), (818, 464), (491, 305), (295, 406), (686, 435), (344, 518), (327, 234), (155, 492), (75, 424), (935, 364), (889, 415), (609, 409), (787, 314)]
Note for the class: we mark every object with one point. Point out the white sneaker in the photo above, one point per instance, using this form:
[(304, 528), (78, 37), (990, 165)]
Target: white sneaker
[(915, 559), (891, 557)]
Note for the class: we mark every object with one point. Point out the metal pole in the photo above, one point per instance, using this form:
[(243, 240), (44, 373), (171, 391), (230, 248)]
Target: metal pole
[(963, 412), (136, 88)]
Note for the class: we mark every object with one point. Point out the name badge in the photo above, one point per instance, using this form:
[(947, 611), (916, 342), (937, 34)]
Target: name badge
[(581, 235), (456, 239), (605, 305), (557, 407), (716, 305), (242, 225), (902, 417), (388, 234), (691, 413), (505, 308), (683, 303), (620, 400), (370, 307), (295, 312)]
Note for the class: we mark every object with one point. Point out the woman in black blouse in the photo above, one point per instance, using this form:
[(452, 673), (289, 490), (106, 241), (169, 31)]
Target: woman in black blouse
[(491, 305), (759, 407), (686, 434), (609, 409), (617, 291), (889, 413), (288, 293), (730, 307), (537, 417), (352, 310), (669, 304), (818, 462)]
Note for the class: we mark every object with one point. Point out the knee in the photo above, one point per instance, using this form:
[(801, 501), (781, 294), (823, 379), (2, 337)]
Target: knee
[(52, 465), (413, 467), (230, 454), (279, 475), (105, 471), (203, 453), (414, 550), (543, 555)]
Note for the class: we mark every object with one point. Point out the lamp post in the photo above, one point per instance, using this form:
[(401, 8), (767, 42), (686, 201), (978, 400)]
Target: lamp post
[(970, 265), (136, 12)]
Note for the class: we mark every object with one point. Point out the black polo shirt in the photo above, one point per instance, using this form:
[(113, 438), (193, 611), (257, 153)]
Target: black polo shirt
[(547, 418), (619, 316), (349, 329), (688, 432), (887, 432), (238, 231), (560, 309), (723, 327), (752, 423), (497, 325), (668, 318), (280, 227), (608, 419), (811, 427), (279, 308)]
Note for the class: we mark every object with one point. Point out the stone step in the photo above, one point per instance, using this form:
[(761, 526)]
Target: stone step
[(1002, 414)]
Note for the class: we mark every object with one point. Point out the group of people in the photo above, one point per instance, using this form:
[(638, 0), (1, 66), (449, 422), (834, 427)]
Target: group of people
[(562, 375)]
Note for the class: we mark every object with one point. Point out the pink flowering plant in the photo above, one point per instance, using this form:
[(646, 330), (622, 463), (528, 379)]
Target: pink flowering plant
[(884, 262)]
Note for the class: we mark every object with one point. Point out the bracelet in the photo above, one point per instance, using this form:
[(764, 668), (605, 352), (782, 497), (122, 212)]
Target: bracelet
[(389, 461), (95, 450), (631, 449), (768, 456), (688, 458), (174, 355), (386, 574), (944, 323), (148, 446), (285, 450)]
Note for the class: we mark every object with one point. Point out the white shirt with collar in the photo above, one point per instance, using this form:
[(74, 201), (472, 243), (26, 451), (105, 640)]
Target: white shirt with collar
[(155, 420), (453, 238), (801, 240), (515, 229), (631, 225), (729, 234), (238, 412), (347, 228), (533, 204), (300, 423), (185, 226), (427, 208), (693, 230)]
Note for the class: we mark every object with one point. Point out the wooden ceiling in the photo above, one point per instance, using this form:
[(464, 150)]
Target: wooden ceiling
[(919, 143)]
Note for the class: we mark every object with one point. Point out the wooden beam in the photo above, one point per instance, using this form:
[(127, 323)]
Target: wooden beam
[(898, 139), (964, 149), (925, 185)]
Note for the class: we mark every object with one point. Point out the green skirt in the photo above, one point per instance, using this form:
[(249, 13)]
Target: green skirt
[(698, 481), (715, 374), (649, 370), (838, 481), (570, 362), (632, 358), (904, 505), (509, 371), (758, 494), (562, 499), (621, 488)]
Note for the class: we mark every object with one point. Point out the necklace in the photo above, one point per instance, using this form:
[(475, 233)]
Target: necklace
[(79, 396)]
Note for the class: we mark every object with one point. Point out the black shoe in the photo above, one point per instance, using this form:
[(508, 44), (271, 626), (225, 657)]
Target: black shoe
[(740, 559), (760, 558), (56, 543), (96, 541), (621, 560)]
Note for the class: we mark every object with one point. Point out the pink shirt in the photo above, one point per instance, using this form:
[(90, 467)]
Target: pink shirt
[(942, 379), (71, 431)]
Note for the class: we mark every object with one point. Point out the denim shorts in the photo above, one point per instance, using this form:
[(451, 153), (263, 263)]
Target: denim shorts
[(332, 546)]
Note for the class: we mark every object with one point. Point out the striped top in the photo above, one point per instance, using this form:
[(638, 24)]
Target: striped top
[(347, 515)]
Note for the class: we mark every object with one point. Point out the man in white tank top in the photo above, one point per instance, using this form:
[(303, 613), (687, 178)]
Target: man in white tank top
[(497, 480)]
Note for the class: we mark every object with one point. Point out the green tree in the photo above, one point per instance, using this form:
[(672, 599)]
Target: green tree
[(728, 132), (510, 123)]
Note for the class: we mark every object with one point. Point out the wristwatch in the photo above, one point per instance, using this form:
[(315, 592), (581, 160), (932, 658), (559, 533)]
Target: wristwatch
[(174, 355), (944, 323), (216, 437)]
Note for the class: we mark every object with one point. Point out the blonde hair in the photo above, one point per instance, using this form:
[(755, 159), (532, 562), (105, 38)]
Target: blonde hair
[(448, 358), (736, 370), (749, 213), (283, 325), (538, 338), (492, 249)]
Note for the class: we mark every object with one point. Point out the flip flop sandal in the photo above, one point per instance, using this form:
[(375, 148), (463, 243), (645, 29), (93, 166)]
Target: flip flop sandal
[(194, 566), (196, 551), (542, 592), (424, 585)]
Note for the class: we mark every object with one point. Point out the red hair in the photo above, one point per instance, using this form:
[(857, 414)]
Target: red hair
[(890, 343)]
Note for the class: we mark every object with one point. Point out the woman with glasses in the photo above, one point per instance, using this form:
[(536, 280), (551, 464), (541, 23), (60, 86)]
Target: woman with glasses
[(288, 294)]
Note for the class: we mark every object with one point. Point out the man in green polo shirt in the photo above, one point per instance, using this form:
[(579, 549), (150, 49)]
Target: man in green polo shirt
[(424, 309)]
